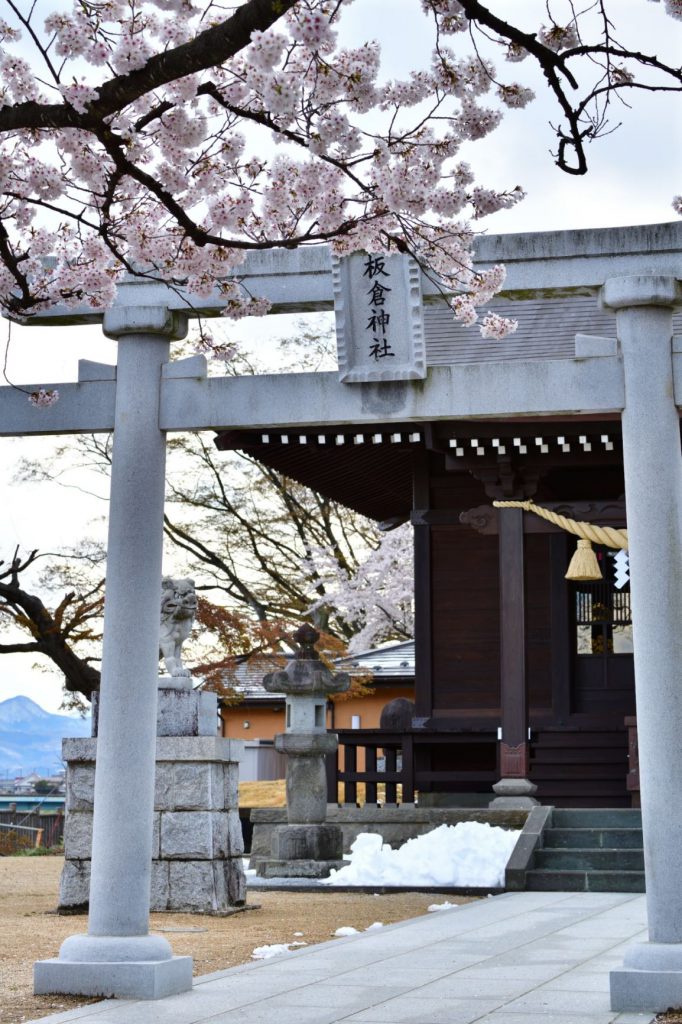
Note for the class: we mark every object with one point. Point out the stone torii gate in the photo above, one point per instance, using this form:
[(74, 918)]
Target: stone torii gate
[(635, 273)]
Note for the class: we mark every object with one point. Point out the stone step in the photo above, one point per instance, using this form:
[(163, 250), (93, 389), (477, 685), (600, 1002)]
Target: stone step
[(589, 860), (601, 817), (602, 838), (585, 881)]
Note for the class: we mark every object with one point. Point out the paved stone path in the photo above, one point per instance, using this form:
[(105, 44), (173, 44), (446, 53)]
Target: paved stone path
[(519, 958)]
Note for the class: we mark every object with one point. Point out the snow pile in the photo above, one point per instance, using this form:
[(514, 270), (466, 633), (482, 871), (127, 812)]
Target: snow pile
[(467, 854), (276, 949), (348, 929), (441, 906)]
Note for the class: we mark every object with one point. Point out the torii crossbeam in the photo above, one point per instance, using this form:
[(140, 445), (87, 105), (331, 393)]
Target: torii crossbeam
[(635, 272)]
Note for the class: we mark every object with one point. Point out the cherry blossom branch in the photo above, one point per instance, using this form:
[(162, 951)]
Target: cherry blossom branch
[(210, 48), (554, 65)]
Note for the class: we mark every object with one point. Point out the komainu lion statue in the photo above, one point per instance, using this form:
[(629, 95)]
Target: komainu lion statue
[(178, 607)]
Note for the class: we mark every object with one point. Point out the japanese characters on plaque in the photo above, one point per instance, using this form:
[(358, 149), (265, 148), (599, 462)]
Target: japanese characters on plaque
[(379, 320)]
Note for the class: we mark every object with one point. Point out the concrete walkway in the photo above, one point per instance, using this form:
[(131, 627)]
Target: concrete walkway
[(519, 958)]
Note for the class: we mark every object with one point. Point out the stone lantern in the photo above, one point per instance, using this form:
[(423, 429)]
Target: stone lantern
[(306, 847)]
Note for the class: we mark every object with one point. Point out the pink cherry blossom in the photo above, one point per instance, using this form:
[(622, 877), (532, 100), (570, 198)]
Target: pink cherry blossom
[(79, 95), (497, 327), (514, 53), (42, 399), (464, 310), (214, 349), (515, 95), (181, 179), (559, 37), (378, 597)]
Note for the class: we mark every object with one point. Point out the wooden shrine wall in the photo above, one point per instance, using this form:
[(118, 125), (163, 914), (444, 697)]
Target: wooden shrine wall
[(465, 616), (539, 661), (466, 620)]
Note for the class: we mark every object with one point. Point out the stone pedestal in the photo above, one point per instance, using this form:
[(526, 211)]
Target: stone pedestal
[(513, 794), (306, 780), (197, 839), (127, 971), (180, 710), (303, 851)]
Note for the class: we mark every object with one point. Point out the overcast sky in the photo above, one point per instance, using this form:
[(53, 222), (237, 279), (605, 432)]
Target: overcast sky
[(633, 175)]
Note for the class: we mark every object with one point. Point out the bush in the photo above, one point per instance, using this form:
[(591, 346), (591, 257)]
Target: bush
[(41, 851)]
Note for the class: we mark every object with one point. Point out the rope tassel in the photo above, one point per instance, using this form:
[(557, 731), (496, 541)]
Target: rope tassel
[(584, 565)]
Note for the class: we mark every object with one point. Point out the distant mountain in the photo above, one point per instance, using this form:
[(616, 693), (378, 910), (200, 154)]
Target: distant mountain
[(31, 738)]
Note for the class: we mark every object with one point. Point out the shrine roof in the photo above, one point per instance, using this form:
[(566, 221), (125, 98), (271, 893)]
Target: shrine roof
[(372, 471), (368, 472)]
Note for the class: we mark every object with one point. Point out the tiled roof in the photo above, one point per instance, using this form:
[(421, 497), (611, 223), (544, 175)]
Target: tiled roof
[(547, 330), (394, 661)]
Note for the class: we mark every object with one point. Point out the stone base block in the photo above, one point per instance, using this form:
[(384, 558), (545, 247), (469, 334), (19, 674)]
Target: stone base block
[(307, 842), (197, 842), (513, 803), (181, 711), (74, 887), (186, 712), (297, 868), (129, 980), (513, 794), (640, 991)]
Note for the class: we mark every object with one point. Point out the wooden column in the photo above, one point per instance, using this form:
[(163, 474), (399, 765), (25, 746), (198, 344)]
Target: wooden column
[(562, 639), (513, 691), (513, 788), (423, 643)]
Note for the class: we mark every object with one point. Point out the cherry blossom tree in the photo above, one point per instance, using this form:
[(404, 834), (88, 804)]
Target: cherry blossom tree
[(169, 138), (377, 599)]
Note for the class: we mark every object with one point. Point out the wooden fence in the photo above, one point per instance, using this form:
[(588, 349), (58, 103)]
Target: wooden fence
[(25, 831)]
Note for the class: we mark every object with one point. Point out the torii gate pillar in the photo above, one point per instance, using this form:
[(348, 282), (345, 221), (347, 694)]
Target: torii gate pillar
[(651, 978), (118, 956)]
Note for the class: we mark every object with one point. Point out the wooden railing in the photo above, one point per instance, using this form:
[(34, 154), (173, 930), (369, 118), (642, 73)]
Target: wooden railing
[(406, 760), (571, 767)]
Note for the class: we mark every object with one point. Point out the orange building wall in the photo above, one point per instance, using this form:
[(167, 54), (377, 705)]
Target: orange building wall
[(368, 708), (265, 722)]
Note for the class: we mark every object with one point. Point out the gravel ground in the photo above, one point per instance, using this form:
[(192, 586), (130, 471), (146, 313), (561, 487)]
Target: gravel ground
[(30, 930)]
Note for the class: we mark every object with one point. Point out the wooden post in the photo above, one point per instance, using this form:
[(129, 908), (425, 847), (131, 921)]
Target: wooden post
[(514, 784), (513, 697), (423, 651)]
